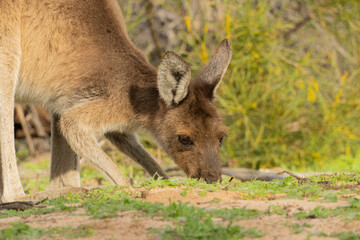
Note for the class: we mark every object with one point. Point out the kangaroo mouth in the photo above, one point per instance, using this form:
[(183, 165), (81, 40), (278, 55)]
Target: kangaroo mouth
[(208, 177), (213, 179)]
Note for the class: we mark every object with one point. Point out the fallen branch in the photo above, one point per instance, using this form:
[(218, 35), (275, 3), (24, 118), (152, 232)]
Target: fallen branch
[(252, 175), (171, 169), (21, 206), (245, 175)]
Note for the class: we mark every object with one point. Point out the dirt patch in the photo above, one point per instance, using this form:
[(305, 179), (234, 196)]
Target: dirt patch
[(126, 225), (194, 196), (283, 227), (229, 199)]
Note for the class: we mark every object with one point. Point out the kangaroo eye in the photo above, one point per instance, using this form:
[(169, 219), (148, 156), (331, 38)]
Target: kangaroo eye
[(221, 140), (185, 140)]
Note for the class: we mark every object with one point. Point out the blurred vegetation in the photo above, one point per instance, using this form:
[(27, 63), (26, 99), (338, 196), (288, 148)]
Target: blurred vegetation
[(291, 93)]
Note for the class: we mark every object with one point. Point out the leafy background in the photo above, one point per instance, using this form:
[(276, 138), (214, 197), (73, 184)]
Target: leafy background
[(291, 93)]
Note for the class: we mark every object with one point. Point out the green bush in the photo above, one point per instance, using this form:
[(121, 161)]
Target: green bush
[(293, 102), (291, 93)]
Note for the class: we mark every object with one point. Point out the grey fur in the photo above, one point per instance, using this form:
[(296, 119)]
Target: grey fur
[(174, 76), (214, 71)]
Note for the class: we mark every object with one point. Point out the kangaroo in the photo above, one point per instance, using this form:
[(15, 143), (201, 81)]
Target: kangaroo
[(75, 58)]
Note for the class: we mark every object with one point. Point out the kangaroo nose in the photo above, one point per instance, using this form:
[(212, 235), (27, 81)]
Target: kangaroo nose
[(211, 179)]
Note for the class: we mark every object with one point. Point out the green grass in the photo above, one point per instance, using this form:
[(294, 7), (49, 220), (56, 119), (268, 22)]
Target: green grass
[(298, 227), (206, 229), (190, 222), (261, 189), (346, 236), (107, 203), (341, 235), (53, 205), (350, 212), (20, 230), (35, 179), (29, 212), (279, 210)]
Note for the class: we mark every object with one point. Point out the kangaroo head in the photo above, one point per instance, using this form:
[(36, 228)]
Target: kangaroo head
[(191, 129)]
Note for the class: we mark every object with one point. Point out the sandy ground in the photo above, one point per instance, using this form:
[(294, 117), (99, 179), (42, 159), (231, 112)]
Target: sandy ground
[(133, 225), (273, 226)]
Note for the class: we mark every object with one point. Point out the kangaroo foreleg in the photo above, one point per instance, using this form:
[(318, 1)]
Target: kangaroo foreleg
[(82, 140), (129, 144)]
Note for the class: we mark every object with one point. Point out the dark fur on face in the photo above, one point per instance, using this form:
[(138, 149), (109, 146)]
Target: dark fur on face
[(188, 125), (197, 119)]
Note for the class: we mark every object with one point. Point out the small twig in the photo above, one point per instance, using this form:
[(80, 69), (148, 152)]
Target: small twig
[(297, 27), (21, 206), (131, 180), (156, 176), (20, 112), (300, 179), (41, 201)]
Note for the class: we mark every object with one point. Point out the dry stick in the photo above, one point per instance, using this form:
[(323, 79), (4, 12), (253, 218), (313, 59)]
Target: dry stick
[(241, 176), (150, 14), (171, 169), (21, 206), (252, 176), (37, 123), (38, 127), (300, 179), (20, 112)]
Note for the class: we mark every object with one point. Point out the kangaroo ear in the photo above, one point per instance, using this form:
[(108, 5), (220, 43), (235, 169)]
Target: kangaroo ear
[(210, 77), (173, 78)]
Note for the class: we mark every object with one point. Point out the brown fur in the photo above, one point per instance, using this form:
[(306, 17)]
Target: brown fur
[(75, 58)]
